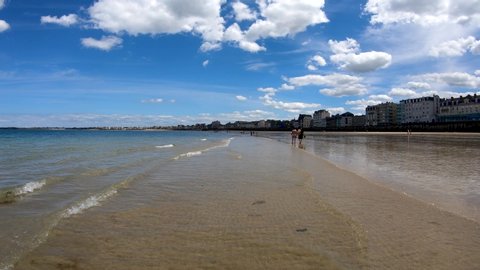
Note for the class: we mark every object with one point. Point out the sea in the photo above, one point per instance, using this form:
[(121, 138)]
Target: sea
[(50, 177)]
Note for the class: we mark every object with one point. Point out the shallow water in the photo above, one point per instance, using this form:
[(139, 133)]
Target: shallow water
[(438, 168), (47, 176), (233, 202)]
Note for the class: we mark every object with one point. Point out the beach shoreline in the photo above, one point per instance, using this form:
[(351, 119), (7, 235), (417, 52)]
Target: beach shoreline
[(295, 210)]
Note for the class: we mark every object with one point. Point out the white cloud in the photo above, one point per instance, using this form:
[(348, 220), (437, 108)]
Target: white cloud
[(418, 85), (477, 72), (347, 57), (292, 107), (105, 44), (65, 20), (268, 90), (275, 19), (454, 79), (205, 63), (253, 115), (242, 12), (153, 100), (360, 105), (344, 47), (336, 110), (363, 62), (402, 92), (152, 17), (4, 26), (315, 62), (287, 87), (241, 98), (456, 47), (338, 84), (424, 12)]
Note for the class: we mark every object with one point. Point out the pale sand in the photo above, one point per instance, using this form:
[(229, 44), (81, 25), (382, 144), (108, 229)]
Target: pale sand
[(296, 211)]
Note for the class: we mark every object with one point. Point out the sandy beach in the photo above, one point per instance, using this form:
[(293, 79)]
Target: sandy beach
[(261, 204)]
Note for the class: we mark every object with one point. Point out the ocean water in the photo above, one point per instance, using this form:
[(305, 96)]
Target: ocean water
[(205, 200), (49, 175), (441, 169)]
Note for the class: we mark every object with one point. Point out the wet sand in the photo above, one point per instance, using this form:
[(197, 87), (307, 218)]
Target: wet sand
[(260, 204)]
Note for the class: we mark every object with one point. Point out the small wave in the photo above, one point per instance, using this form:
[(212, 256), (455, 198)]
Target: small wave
[(203, 140), (225, 143), (30, 187), (10, 195), (165, 146), (189, 154), (88, 203)]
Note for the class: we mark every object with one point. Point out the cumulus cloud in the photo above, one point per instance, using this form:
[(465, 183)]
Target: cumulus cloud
[(344, 47), (277, 18), (419, 85), (424, 12), (346, 56), (292, 107), (336, 84), (477, 72), (106, 43), (315, 62), (402, 92), (454, 79), (242, 12), (456, 47), (360, 105), (152, 17), (65, 20), (253, 115), (241, 98), (205, 63), (336, 110), (4, 26), (287, 87)]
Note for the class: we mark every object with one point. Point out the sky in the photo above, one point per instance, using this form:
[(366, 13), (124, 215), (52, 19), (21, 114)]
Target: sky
[(178, 62)]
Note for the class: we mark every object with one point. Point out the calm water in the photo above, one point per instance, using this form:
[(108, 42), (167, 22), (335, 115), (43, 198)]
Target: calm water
[(47, 176), (440, 169)]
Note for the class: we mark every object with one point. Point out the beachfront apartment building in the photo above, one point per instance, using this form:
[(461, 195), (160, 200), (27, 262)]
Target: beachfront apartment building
[(383, 114), (320, 118), (459, 109), (305, 121), (420, 110)]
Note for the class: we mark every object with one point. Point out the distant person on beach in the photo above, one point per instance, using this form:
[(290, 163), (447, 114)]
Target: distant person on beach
[(294, 134), (300, 137)]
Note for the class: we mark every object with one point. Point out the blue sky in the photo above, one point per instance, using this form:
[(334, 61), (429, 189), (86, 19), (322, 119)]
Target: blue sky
[(169, 62)]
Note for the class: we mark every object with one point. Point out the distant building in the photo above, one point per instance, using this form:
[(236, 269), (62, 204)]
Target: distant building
[(305, 121), (320, 119), (384, 114), (359, 121), (345, 120), (459, 109), (420, 110)]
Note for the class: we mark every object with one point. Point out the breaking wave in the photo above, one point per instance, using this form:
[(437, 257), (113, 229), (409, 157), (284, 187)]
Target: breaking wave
[(9, 195), (165, 146), (225, 143)]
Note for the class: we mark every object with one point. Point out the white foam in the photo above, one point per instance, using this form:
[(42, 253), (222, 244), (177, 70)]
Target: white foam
[(226, 143), (165, 146), (204, 140), (88, 203), (30, 187)]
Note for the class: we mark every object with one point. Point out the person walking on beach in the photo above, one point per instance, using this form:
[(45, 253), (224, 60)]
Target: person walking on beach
[(294, 134), (300, 138)]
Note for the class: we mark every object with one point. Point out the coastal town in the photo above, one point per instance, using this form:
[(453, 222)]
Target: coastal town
[(424, 113)]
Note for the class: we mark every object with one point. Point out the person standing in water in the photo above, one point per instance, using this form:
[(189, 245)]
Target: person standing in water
[(300, 138), (294, 134)]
